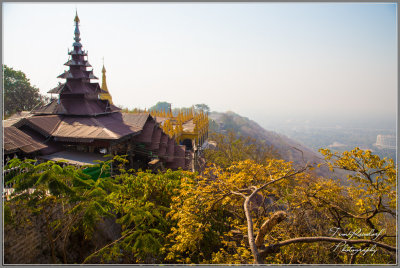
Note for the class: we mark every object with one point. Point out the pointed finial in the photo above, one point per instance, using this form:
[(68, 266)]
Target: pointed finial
[(76, 16), (77, 32), (104, 69)]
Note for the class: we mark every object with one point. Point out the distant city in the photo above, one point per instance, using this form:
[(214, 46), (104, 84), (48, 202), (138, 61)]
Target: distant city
[(377, 135)]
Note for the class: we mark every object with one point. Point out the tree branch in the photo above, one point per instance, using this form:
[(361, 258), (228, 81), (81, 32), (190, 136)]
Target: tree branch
[(287, 175), (267, 226), (106, 246), (246, 205), (237, 193), (250, 232)]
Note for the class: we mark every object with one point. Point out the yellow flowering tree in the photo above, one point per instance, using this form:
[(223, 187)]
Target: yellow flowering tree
[(271, 212)]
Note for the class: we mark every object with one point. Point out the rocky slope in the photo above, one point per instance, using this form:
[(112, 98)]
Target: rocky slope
[(288, 149)]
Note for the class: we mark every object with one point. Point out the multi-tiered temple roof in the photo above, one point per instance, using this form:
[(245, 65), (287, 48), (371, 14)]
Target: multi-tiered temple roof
[(78, 95), (82, 126)]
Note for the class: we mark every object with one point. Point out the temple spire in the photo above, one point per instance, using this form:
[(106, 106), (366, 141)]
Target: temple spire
[(106, 95), (104, 81), (78, 95), (76, 16), (77, 32)]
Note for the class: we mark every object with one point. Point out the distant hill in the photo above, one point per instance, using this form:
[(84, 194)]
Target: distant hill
[(288, 149)]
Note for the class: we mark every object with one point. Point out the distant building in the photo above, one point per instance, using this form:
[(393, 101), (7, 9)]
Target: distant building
[(336, 145), (386, 142)]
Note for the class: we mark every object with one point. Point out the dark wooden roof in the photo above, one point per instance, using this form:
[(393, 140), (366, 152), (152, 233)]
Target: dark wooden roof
[(52, 146), (45, 125), (44, 132), (135, 120), (15, 118), (162, 150), (54, 107), (57, 89), (15, 140), (79, 52), (106, 127), (170, 150), (77, 106), (179, 157), (73, 62), (164, 138), (155, 139), (147, 133), (71, 87)]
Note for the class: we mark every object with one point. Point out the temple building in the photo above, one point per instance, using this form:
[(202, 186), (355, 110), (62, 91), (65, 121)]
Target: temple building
[(82, 124), (189, 128)]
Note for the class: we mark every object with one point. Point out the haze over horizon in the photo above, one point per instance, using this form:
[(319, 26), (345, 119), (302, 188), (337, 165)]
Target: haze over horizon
[(260, 60)]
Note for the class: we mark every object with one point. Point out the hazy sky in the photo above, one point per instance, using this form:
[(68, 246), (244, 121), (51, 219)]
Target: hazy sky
[(258, 59)]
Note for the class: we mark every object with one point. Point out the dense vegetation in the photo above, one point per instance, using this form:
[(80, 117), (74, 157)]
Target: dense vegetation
[(244, 208), (19, 94)]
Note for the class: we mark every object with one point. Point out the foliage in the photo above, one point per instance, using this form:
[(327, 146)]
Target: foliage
[(322, 207), (202, 107), (213, 126), (19, 94), (373, 179), (212, 208), (243, 209), (161, 106), (231, 148), (49, 186), (314, 209), (141, 203)]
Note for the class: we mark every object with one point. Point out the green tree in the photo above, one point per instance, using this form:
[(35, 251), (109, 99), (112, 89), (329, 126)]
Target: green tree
[(202, 107), (242, 212), (161, 106), (141, 202), (19, 94), (48, 187)]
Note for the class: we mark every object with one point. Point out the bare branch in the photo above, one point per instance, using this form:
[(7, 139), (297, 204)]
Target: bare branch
[(246, 205), (267, 226), (106, 246), (237, 193), (287, 175), (302, 154), (250, 232), (349, 214)]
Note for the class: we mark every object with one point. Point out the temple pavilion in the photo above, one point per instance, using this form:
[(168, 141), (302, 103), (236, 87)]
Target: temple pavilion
[(81, 124)]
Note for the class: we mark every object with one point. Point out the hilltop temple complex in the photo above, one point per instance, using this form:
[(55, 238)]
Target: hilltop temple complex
[(82, 124)]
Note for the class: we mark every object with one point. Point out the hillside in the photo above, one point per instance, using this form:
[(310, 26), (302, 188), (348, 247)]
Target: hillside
[(288, 149)]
